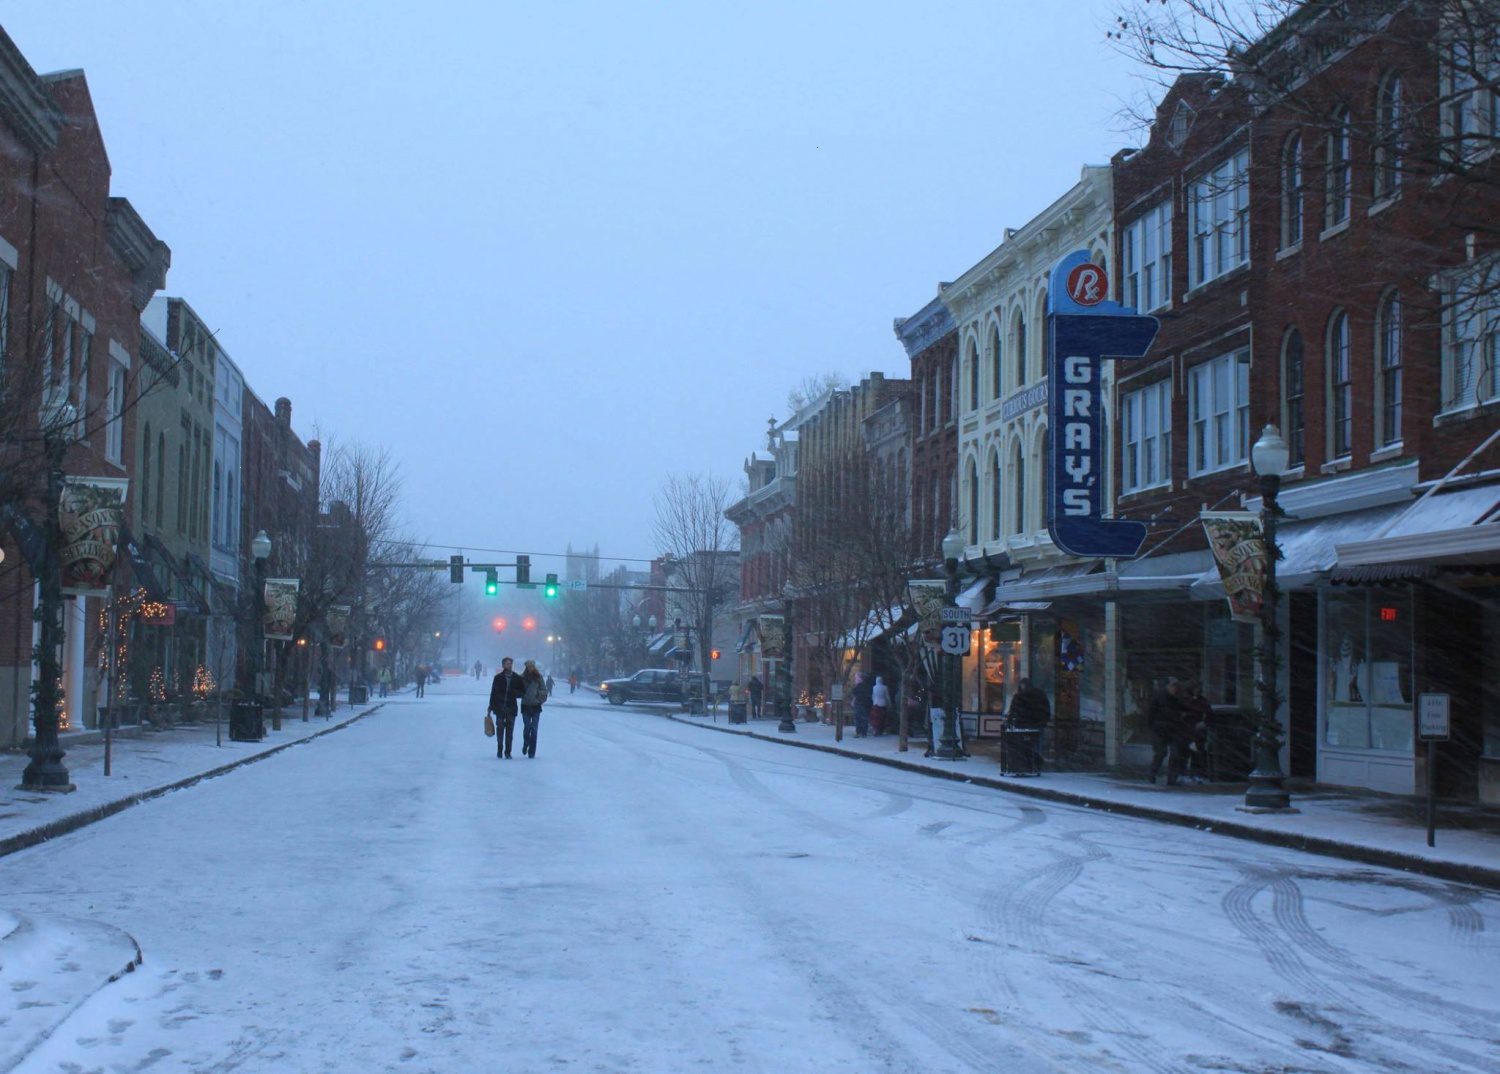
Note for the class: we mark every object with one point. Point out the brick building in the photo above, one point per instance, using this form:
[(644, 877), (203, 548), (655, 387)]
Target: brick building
[(77, 267)]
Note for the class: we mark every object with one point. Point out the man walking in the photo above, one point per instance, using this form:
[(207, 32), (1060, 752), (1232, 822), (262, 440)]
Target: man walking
[(506, 691), (422, 680), (1030, 711), (1165, 718), (757, 688)]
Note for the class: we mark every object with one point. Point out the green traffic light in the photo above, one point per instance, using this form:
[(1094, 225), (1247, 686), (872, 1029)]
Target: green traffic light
[(549, 590), (491, 586)]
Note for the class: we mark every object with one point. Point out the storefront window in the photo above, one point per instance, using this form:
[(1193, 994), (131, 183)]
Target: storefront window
[(1367, 687), (998, 668), (1228, 658)]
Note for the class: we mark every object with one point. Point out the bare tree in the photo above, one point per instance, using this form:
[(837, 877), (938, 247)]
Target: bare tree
[(813, 387), (703, 545)]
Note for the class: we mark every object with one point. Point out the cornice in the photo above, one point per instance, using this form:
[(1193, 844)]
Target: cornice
[(146, 256), (25, 103), (925, 327)]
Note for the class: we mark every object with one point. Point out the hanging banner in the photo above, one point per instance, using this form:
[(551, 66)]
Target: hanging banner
[(1088, 329), (1239, 547), (772, 635), (281, 607), (91, 512), (929, 596), (337, 621)]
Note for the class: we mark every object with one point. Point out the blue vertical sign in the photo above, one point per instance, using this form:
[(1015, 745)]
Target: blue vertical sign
[(1087, 330)]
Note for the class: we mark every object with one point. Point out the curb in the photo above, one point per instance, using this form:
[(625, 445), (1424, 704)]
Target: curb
[(74, 821), (1458, 872)]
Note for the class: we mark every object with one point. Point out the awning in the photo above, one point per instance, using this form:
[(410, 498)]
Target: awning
[(745, 641), (141, 574), (659, 644), (1155, 575), (1450, 528), (972, 596), (1307, 548), (878, 622)]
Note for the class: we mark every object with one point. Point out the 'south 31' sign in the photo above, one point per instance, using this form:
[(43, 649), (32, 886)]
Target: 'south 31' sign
[(1088, 329)]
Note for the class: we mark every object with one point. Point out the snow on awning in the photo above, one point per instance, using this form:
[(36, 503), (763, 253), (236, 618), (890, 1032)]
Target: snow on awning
[(1452, 527), (972, 596), (877, 623)]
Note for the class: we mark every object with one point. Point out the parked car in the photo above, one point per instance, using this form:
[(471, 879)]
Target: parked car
[(648, 684)]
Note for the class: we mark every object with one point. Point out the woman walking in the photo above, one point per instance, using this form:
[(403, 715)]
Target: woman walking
[(533, 695)]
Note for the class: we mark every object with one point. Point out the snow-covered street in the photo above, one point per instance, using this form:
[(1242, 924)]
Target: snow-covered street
[(648, 897)]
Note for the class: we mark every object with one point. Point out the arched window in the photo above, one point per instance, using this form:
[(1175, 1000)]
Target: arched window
[(1291, 191), (996, 488), (1039, 370), (1340, 387), (973, 497), (1292, 419), (997, 382), (161, 474), (1018, 490), (1387, 155), (1041, 468), (1018, 347), (1388, 383), (1336, 178), (953, 390), (971, 363)]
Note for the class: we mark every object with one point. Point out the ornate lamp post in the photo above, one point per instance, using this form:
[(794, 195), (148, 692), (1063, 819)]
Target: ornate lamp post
[(1266, 793), (784, 678), (260, 551), (948, 748), (46, 772)]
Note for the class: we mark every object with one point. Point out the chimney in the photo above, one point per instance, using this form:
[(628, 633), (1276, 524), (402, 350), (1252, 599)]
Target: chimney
[(284, 411)]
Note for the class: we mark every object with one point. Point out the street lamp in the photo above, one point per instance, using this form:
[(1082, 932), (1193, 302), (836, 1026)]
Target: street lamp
[(260, 551), (1266, 792), (46, 772), (948, 748)]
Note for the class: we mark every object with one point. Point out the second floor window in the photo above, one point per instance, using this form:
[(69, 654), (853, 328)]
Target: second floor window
[(1292, 415), (1388, 384), (1471, 338), (1146, 429), (1340, 388), (1221, 219), (1148, 259), (1387, 156), (114, 402), (1219, 412), (1336, 201), (973, 364)]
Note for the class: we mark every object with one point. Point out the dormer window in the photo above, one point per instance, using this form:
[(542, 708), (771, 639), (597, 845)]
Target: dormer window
[(1182, 122)]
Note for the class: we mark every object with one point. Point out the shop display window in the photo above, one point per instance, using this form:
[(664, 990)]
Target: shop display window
[(1367, 669)]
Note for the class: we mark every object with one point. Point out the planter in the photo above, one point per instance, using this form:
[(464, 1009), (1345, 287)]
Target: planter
[(247, 722), (738, 712)]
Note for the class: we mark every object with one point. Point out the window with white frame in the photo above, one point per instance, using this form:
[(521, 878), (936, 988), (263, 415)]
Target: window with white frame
[(1471, 337), (1291, 192), (114, 429), (5, 275), (1146, 428), (1220, 219), (1293, 416), (1340, 387), (1018, 347), (1148, 259), (997, 385), (1467, 106), (996, 490), (1388, 147), (1018, 503), (1219, 412), (1336, 173), (971, 361), (1388, 382)]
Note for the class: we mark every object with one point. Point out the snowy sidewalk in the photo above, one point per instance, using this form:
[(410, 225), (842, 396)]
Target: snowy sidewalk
[(143, 764), (1386, 830)]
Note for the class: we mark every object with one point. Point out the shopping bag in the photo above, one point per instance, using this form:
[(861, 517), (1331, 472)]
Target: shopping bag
[(489, 726)]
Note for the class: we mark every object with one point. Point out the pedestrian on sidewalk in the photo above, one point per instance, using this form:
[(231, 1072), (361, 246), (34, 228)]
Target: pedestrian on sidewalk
[(534, 694), (757, 690), (478, 669), (880, 705), (422, 673), (549, 684), (861, 698), (1198, 718), (1165, 719), (506, 689), (385, 681), (573, 683), (1030, 711)]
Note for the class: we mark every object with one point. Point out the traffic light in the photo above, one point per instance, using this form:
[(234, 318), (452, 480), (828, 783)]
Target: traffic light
[(714, 654), (549, 590), (379, 645), (523, 570), (528, 623), (456, 569), (499, 624), (491, 584)]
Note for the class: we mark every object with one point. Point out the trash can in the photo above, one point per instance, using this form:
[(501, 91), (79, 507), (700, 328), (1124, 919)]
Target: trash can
[(1020, 751), (247, 722), (358, 694), (738, 712)]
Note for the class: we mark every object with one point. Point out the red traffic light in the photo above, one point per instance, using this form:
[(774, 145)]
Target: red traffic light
[(380, 645), (499, 624), (529, 623), (715, 654)]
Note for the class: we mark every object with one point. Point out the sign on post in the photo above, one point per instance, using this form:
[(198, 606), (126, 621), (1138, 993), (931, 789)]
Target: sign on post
[(956, 640), (575, 583), (956, 615), (1432, 717), (836, 692)]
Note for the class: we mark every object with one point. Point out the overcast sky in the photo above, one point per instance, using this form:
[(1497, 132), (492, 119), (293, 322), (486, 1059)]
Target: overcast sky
[(549, 253)]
